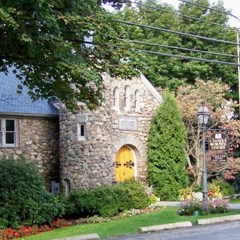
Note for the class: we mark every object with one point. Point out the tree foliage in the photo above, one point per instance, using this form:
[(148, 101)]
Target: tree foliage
[(44, 44), (167, 159), (168, 71), (222, 117)]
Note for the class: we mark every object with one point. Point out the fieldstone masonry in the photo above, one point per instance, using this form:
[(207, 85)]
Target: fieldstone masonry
[(39, 143), (90, 162)]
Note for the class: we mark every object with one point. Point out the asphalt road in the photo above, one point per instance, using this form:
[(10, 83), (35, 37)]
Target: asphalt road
[(224, 231)]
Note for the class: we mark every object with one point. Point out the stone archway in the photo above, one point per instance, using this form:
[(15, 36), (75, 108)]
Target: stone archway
[(139, 151)]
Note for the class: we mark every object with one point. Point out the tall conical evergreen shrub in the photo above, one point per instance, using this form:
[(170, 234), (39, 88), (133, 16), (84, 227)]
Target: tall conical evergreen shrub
[(167, 158)]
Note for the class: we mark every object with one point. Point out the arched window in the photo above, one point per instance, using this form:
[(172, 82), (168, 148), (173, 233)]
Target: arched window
[(137, 100), (116, 98), (127, 98)]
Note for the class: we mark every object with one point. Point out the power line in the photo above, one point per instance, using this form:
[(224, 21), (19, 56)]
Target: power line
[(171, 55), (186, 57), (181, 48), (183, 15), (209, 8), (175, 32)]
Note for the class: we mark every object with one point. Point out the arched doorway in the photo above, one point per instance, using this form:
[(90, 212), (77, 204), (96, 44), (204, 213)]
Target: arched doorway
[(124, 164)]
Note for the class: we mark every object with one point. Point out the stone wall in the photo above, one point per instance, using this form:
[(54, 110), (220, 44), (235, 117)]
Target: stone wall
[(38, 140), (91, 162)]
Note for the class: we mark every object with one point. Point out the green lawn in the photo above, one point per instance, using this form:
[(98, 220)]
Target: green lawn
[(237, 201), (123, 226)]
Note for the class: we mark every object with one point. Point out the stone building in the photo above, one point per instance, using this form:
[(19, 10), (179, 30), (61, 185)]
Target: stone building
[(29, 129), (108, 144), (82, 148)]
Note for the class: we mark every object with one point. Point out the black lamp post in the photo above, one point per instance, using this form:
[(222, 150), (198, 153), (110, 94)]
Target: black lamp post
[(203, 117)]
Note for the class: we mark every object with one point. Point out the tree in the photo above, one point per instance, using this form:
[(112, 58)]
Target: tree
[(168, 71), (44, 44), (222, 117), (167, 158)]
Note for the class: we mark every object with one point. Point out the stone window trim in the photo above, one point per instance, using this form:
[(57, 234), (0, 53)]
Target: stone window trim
[(8, 132), (81, 131), (127, 98), (137, 100), (116, 98)]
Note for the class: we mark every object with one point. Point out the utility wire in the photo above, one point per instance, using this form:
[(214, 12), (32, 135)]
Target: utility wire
[(170, 55), (186, 57), (180, 48), (209, 8), (184, 34), (175, 32), (183, 15)]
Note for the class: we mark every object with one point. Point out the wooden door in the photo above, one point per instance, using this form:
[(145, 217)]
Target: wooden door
[(124, 164)]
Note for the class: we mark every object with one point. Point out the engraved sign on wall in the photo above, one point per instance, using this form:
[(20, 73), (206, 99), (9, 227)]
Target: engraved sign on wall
[(128, 123)]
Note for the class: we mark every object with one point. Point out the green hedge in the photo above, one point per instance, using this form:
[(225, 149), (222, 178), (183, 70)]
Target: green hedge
[(108, 200), (24, 199)]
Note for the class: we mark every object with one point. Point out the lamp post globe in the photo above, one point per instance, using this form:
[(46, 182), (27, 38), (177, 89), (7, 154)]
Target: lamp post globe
[(203, 115)]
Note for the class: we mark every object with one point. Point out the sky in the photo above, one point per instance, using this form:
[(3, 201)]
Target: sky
[(233, 5)]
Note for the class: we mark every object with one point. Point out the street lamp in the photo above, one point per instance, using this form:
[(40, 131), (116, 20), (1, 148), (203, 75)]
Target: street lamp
[(203, 117)]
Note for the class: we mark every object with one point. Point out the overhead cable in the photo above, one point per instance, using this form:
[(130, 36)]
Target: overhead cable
[(209, 8), (171, 55), (186, 57), (180, 14), (181, 48), (175, 32)]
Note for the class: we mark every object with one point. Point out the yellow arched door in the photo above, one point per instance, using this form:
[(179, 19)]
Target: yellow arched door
[(124, 164)]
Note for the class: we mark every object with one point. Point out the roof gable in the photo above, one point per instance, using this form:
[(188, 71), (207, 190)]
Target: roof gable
[(150, 88)]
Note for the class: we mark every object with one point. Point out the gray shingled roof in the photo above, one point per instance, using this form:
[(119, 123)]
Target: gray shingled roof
[(21, 104)]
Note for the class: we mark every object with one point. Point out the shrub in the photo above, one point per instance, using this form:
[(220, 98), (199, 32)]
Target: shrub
[(226, 188), (97, 201), (108, 201), (185, 193), (214, 191), (132, 194), (24, 199), (152, 199), (167, 157)]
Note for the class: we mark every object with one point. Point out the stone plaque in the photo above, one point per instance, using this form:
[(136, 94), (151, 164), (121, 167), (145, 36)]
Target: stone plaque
[(128, 123), (82, 118)]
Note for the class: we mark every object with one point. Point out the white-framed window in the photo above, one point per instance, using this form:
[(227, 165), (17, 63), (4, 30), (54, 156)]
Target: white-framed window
[(81, 131), (116, 98), (127, 97), (137, 101), (8, 132)]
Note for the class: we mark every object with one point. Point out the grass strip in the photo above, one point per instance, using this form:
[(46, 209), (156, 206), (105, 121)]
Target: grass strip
[(125, 226)]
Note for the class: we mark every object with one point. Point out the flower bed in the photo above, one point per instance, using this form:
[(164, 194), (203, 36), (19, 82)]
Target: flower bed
[(188, 207), (23, 231), (193, 201)]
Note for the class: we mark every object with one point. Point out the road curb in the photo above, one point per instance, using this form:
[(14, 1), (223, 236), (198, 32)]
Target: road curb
[(219, 220), (165, 227), (93, 236)]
